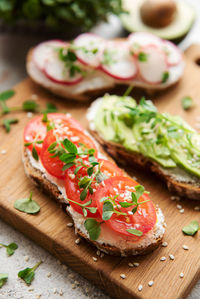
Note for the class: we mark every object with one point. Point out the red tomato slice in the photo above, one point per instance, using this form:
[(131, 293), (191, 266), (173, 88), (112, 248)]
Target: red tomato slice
[(73, 190), (143, 220), (54, 165), (36, 129)]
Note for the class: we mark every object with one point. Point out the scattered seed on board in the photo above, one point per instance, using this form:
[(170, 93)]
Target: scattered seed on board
[(150, 283), (175, 198), (123, 276), (98, 253), (182, 211), (179, 207), (171, 257), (78, 241), (164, 244), (54, 290), (140, 287), (130, 265), (163, 258), (61, 292), (197, 208), (31, 289), (181, 275), (94, 259), (70, 224), (49, 274), (34, 97), (73, 286), (185, 247), (26, 258), (29, 114), (136, 264), (3, 152)]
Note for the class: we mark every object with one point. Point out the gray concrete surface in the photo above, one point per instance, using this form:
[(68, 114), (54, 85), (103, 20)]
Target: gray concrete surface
[(13, 48)]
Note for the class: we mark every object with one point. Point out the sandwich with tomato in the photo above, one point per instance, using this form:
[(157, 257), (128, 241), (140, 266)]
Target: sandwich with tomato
[(108, 208)]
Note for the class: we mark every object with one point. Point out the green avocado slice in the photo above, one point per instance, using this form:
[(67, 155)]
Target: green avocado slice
[(182, 23)]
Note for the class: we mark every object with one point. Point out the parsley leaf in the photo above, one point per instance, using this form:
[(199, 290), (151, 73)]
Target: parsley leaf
[(142, 57), (165, 77), (50, 108), (69, 146), (9, 121), (187, 103), (10, 248), (5, 95), (27, 205), (108, 210), (191, 228), (30, 105), (134, 232), (3, 279), (93, 228), (28, 274)]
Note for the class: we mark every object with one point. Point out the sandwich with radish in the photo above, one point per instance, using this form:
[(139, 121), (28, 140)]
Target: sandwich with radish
[(90, 64), (109, 209)]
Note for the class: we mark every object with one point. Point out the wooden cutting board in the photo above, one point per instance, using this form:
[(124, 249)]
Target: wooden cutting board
[(49, 228)]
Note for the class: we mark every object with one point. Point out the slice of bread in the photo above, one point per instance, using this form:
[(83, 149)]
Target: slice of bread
[(188, 187), (148, 243)]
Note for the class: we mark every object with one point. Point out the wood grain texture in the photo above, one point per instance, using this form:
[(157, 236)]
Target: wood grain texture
[(49, 229)]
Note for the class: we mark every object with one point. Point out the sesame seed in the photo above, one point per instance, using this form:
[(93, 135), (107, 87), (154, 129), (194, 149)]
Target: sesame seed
[(73, 286), (185, 247), (197, 208), (136, 264), (49, 274), (150, 283), (26, 258), (78, 241), (72, 176), (164, 244), (182, 211), (179, 207), (181, 275), (34, 96), (140, 287), (175, 197), (77, 282), (3, 152), (130, 265), (71, 275), (98, 252), (94, 259), (68, 114), (171, 257), (61, 292), (123, 276), (70, 224), (163, 258), (31, 289), (29, 114), (54, 290), (130, 213), (38, 296)]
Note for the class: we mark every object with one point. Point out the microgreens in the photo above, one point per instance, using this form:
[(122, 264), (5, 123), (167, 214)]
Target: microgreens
[(3, 279), (187, 102), (135, 232), (4, 96), (33, 143), (30, 105), (28, 274), (192, 228), (27, 205), (7, 122), (142, 57), (85, 207), (108, 57), (93, 228), (10, 248), (50, 108), (165, 77)]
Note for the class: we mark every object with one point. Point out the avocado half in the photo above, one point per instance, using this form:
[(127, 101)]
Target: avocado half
[(180, 26)]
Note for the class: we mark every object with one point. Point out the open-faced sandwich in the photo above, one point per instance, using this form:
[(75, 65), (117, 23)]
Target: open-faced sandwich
[(139, 134), (108, 208), (90, 64)]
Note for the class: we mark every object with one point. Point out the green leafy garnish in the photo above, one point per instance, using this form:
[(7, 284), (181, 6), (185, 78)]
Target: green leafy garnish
[(9, 121), (4, 96), (108, 210), (27, 205), (93, 228), (135, 232), (30, 105), (165, 77), (10, 248), (191, 229), (50, 108), (28, 274), (187, 103), (3, 279), (143, 57)]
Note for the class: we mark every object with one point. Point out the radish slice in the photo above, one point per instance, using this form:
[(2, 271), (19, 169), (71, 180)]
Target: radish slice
[(142, 39), (44, 50), (90, 50), (57, 72), (117, 61), (172, 52), (152, 65)]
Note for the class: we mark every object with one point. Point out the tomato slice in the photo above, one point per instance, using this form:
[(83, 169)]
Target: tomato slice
[(73, 190), (143, 219), (36, 128), (79, 138)]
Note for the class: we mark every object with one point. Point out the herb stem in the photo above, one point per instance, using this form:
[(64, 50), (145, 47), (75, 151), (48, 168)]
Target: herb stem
[(128, 91), (37, 265)]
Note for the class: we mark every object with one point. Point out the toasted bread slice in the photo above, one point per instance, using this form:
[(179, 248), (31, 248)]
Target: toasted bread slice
[(189, 187), (108, 245)]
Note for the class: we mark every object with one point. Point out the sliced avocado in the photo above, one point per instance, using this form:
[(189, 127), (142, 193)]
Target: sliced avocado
[(179, 27)]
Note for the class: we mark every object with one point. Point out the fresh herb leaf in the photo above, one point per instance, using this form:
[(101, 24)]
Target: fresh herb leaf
[(143, 57), (135, 232), (10, 248), (9, 121), (50, 108), (165, 77), (69, 146), (187, 103), (108, 210), (27, 205), (28, 274), (93, 228), (5, 95), (34, 153), (45, 118), (83, 195), (191, 228), (30, 105), (3, 279), (68, 165), (125, 204), (77, 169)]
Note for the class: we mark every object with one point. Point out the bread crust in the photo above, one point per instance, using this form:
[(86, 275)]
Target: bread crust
[(118, 152), (51, 189)]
